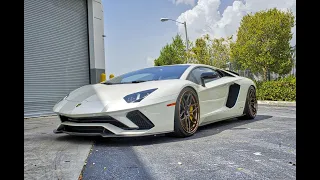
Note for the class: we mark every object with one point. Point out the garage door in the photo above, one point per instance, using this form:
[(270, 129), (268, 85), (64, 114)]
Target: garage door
[(56, 58)]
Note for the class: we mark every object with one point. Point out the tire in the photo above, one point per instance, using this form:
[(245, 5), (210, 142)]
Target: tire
[(251, 106), (187, 113)]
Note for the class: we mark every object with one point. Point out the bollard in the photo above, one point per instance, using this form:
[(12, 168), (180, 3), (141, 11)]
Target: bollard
[(102, 77)]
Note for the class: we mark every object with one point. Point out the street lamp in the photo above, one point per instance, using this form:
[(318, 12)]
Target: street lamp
[(185, 28)]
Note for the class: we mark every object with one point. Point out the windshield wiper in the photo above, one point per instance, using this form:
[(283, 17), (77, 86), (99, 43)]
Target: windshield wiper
[(137, 81), (109, 83)]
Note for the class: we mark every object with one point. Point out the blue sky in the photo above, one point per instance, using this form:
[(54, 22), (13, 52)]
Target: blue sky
[(134, 32)]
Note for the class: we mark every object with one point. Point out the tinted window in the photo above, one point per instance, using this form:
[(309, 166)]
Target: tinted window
[(195, 74), (151, 74)]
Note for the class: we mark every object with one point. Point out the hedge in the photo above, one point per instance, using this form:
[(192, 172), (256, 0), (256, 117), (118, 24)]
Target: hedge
[(277, 90)]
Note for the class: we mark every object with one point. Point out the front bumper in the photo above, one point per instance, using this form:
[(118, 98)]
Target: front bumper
[(147, 120)]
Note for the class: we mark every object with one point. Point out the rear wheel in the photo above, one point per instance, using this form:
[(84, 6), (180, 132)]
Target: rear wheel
[(251, 106), (187, 113)]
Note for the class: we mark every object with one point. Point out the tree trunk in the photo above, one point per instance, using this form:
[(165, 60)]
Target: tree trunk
[(265, 74)]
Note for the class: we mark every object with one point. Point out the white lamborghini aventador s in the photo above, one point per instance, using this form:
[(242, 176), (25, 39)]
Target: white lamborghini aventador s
[(163, 99)]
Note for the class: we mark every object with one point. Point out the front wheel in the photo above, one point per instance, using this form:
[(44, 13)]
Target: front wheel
[(187, 113)]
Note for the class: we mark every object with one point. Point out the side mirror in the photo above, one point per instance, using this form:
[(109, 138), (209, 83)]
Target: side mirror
[(207, 75)]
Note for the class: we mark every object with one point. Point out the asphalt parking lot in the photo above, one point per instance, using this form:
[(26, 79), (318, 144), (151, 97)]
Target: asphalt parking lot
[(264, 148)]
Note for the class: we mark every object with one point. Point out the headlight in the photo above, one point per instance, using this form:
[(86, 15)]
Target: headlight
[(138, 96)]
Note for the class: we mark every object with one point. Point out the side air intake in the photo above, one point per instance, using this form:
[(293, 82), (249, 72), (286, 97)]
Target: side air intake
[(140, 120), (233, 95)]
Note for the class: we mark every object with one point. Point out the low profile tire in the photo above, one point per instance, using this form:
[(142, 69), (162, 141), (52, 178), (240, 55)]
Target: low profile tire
[(187, 113), (251, 106)]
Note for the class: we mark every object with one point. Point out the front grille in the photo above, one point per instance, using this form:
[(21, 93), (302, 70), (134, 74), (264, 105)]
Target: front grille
[(140, 120), (101, 119), (85, 129)]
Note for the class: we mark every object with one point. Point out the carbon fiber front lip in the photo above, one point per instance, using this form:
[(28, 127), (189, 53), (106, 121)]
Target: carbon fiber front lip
[(110, 135)]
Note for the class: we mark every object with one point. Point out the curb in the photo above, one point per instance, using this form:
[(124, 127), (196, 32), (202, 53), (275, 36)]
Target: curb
[(277, 103)]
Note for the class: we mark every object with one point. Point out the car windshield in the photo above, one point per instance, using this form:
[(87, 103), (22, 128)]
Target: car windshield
[(150, 74)]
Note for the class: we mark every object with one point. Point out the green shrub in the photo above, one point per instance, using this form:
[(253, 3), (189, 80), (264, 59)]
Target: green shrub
[(277, 90)]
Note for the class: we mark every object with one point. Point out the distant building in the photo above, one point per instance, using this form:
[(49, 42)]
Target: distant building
[(63, 50)]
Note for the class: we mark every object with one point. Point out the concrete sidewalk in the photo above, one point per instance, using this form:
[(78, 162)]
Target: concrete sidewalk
[(52, 156)]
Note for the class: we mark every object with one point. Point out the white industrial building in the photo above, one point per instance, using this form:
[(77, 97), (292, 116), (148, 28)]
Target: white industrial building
[(63, 50)]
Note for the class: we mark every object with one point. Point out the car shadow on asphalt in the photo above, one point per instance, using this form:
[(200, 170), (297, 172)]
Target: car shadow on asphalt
[(122, 159), (76, 139), (203, 131)]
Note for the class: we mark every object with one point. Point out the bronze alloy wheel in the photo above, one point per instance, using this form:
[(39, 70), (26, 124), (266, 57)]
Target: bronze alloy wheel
[(189, 115), (253, 104)]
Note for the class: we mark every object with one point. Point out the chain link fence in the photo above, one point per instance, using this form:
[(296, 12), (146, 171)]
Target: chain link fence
[(258, 76)]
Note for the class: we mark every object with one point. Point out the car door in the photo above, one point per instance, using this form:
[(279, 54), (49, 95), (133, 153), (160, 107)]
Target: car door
[(213, 96)]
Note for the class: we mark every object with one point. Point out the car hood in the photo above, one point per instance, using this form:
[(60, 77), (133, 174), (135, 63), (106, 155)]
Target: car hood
[(103, 92)]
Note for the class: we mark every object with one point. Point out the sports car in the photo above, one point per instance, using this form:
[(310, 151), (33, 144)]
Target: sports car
[(173, 99)]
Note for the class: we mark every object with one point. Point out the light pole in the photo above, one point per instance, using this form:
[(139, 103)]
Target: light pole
[(228, 65), (185, 28)]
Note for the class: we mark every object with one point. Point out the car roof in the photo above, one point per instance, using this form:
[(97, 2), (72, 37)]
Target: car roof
[(192, 65)]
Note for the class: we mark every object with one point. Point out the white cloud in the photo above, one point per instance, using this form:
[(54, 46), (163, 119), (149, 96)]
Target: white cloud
[(150, 61), (187, 2), (204, 18)]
